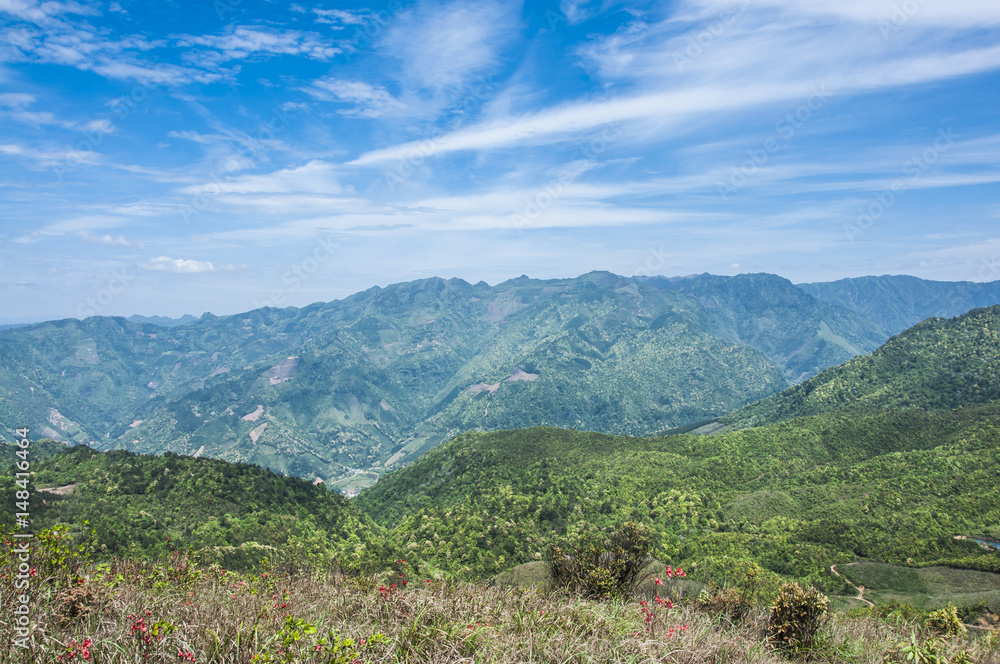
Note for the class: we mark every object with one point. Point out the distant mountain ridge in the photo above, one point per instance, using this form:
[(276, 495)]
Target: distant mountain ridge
[(938, 364), (163, 321), (899, 302), (342, 390)]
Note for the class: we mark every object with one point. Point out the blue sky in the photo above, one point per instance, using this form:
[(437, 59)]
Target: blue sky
[(181, 157)]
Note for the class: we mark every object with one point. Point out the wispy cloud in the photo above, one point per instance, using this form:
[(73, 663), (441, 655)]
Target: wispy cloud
[(438, 46), (315, 177), (368, 101), (110, 240), (50, 158), (243, 42), (177, 265), (340, 17)]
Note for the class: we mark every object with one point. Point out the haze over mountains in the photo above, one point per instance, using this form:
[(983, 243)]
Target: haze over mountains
[(347, 389)]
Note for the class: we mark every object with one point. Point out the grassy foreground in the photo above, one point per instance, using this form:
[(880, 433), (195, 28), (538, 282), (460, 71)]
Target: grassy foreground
[(174, 610)]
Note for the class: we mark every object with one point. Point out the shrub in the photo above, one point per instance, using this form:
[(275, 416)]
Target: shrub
[(927, 652), (603, 567), (945, 622), (746, 584), (796, 616), (728, 602)]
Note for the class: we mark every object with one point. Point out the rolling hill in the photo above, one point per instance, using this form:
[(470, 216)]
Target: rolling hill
[(143, 506), (345, 390), (938, 364), (890, 458)]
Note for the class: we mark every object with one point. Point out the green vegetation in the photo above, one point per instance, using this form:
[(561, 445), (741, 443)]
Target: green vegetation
[(939, 364), (796, 617), (179, 609), (925, 588), (145, 506), (603, 566), (899, 302), (375, 380), (795, 497), (891, 459)]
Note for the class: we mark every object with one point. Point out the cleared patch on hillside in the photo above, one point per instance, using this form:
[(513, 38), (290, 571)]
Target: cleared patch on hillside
[(255, 415), (283, 370), (925, 587)]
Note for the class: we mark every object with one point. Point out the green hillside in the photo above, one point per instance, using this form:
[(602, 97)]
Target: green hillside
[(145, 506), (899, 302), (936, 365), (796, 496), (342, 390)]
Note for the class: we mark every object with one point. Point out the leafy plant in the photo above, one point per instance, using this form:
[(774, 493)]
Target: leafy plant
[(602, 567), (930, 651), (796, 616), (945, 622)]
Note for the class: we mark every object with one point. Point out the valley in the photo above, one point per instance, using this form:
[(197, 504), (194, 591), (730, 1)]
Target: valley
[(372, 382), (873, 480)]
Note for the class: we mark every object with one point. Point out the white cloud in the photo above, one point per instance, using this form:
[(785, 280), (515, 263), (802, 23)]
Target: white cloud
[(243, 42), (440, 46), (109, 240), (16, 99), (955, 13), (102, 126), (315, 177), (177, 265), (153, 74), (49, 158), (340, 17), (42, 12), (371, 101), (15, 105), (190, 136), (759, 59)]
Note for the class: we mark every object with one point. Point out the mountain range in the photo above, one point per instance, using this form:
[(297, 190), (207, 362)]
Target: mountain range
[(892, 456), (349, 389)]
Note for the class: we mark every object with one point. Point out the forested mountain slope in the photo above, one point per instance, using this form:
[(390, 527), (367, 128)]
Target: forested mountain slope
[(144, 505), (898, 302), (343, 389), (938, 364)]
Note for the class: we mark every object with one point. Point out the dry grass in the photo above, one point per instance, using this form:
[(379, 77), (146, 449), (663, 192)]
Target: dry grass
[(226, 617)]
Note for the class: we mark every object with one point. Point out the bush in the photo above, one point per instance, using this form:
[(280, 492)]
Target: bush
[(796, 616), (945, 622), (603, 567), (728, 602)]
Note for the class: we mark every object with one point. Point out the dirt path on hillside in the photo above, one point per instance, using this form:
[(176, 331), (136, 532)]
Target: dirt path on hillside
[(860, 589)]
